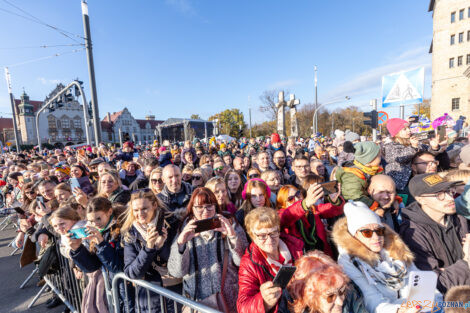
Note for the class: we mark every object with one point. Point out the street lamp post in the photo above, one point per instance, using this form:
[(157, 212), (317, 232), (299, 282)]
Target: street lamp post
[(60, 93), (322, 104)]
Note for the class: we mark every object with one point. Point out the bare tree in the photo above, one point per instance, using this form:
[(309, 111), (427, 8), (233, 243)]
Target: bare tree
[(269, 98)]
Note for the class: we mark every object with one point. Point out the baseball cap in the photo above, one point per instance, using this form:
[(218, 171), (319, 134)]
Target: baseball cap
[(428, 184)]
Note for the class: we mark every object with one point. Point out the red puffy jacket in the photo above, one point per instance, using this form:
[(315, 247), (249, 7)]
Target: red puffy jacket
[(296, 211), (254, 271)]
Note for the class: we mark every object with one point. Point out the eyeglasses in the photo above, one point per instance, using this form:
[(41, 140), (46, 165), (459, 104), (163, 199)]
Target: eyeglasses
[(369, 232), (427, 163), (441, 195), (218, 168), (253, 176), (156, 181), (331, 297), (297, 195), (196, 177), (263, 237), (207, 207), (306, 167)]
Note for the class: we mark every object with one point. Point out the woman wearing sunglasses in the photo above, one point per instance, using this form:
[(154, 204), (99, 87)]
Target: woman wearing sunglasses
[(156, 181), (375, 258), (320, 285), (287, 196)]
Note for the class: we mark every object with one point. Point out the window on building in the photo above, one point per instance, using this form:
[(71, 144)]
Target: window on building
[(460, 60), (452, 17), (452, 39), (451, 62), (77, 123), (461, 12), (460, 37), (468, 59), (51, 121), (468, 13), (468, 35), (455, 104), (65, 123)]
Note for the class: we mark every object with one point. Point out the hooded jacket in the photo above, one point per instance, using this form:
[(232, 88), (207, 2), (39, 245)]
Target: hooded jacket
[(254, 271), (437, 248), (354, 256)]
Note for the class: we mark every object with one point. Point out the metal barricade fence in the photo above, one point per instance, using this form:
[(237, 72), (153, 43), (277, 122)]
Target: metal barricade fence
[(64, 283), (162, 292)]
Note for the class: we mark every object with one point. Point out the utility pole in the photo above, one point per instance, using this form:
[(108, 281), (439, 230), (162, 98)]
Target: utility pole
[(13, 109), (373, 103), (249, 112), (91, 73), (315, 129)]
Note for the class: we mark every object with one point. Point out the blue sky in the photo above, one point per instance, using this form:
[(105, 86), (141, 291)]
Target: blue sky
[(173, 58)]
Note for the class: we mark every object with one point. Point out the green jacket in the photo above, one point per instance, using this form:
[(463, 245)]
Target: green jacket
[(353, 186)]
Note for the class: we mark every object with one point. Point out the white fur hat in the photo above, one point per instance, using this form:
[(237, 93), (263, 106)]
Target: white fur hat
[(358, 215)]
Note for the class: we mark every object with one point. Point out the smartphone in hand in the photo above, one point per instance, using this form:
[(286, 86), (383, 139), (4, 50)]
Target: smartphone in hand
[(283, 276), (207, 224), (78, 233), (74, 183), (330, 187)]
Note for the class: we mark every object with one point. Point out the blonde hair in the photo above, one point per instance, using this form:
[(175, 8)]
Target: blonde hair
[(114, 174), (458, 175), (128, 217), (262, 217)]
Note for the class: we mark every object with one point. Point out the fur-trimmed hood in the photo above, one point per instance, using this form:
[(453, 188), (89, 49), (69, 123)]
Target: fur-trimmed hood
[(394, 245)]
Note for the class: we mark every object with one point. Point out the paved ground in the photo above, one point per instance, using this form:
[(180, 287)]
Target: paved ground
[(12, 298)]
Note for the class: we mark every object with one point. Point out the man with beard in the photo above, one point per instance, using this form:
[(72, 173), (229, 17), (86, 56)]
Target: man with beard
[(382, 190), (280, 164), (434, 232), (424, 162)]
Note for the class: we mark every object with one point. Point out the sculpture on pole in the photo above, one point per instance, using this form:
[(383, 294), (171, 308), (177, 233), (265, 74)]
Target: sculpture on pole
[(281, 123), (292, 104)]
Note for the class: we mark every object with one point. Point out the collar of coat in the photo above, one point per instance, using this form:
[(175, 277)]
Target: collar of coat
[(394, 245)]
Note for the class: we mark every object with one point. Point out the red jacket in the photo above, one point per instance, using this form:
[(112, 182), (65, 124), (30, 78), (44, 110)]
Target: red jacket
[(254, 271), (296, 211)]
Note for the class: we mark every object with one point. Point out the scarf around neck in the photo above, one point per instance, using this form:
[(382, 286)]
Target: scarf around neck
[(142, 228), (284, 253), (369, 170)]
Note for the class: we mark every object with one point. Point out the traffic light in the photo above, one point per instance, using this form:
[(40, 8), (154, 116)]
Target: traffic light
[(373, 122)]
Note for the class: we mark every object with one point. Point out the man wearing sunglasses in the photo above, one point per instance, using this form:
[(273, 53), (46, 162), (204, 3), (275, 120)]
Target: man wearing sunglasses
[(434, 232)]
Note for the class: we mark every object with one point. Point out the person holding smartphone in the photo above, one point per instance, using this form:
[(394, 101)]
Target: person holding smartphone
[(146, 249), (376, 259), (269, 251), (199, 257)]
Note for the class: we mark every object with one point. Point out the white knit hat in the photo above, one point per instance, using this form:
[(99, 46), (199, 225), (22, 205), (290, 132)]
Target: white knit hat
[(358, 215)]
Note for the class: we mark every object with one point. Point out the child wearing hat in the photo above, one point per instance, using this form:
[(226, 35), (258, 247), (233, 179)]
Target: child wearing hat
[(355, 177)]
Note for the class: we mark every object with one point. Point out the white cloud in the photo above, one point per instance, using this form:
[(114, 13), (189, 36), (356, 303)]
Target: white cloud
[(183, 6), (283, 84), (152, 92), (370, 80), (46, 81)]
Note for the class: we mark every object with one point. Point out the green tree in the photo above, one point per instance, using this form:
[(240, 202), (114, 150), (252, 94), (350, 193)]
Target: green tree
[(424, 108), (195, 117), (229, 122)]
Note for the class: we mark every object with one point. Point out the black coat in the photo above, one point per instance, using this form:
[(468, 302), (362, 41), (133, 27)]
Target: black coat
[(437, 247)]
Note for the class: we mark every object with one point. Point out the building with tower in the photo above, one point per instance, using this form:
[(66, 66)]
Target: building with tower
[(450, 50)]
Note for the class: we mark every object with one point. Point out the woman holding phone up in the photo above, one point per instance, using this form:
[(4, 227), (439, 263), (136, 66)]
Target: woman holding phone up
[(146, 249), (200, 257)]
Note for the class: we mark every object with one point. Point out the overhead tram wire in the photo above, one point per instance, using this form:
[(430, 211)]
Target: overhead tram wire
[(44, 46), (44, 58), (34, 19)]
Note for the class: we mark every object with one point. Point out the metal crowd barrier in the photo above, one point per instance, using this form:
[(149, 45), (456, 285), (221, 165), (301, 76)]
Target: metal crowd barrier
[(64, 283), (163, 293)]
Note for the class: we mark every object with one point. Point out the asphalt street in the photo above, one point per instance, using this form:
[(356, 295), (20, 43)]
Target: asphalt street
[(12, 298)]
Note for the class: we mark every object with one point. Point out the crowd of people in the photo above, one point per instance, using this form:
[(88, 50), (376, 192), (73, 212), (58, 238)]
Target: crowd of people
[(354, 216)]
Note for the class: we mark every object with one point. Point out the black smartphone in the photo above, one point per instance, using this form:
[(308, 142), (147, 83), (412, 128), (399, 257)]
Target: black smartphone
[(19, 211), (283, 276), (160, 222), (207, 224), (330, 187)]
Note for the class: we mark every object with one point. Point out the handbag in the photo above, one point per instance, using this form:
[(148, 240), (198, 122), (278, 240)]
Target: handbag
[(29, 253)]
